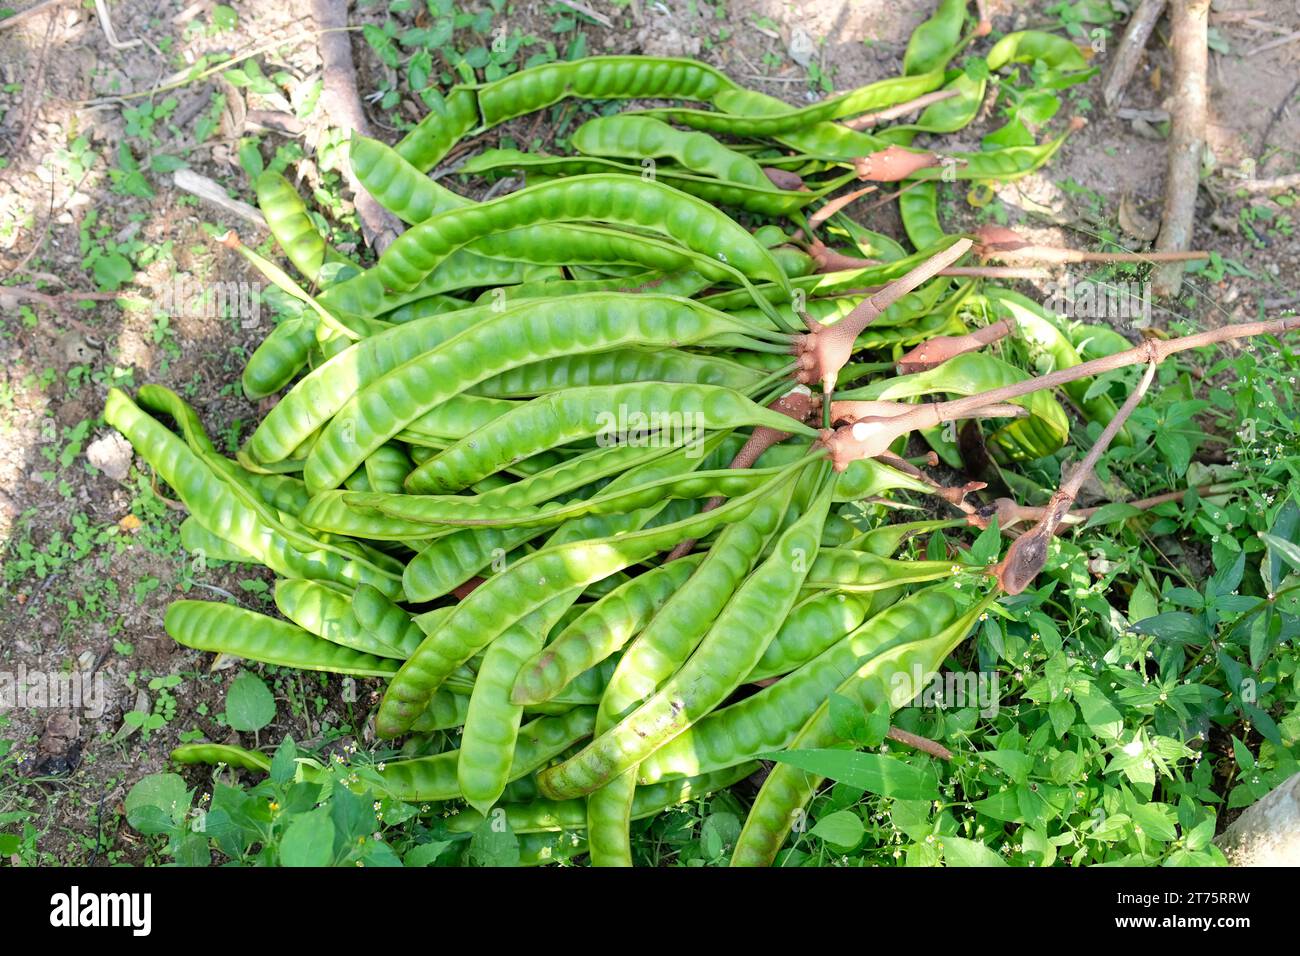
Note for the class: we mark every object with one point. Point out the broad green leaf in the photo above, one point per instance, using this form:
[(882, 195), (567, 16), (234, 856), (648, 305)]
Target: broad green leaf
[(309, 840), (249, 705), (842, 829), (958, 851)]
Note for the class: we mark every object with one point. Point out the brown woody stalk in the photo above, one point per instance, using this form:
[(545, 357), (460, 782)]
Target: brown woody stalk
[(940, 349), (342, 105), (1131, 47), (827, 349), (1187, 137), (1028, 553), (871, 437)]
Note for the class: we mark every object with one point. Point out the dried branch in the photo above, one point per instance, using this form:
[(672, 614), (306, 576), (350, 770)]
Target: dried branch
[(1028, 553), (1187, 138), (1131, 47)]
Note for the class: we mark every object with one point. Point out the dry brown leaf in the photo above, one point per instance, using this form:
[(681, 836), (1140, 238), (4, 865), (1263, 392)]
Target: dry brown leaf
[(129, 523), (1134, 223)]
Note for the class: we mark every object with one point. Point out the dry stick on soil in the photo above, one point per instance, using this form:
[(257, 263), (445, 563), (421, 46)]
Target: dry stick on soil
[(940, 349), (872, 437), (1028, 553), (868, 120), (1186, 140), (1274, 44), (999, 242), (1275, 185), (1131, 47), (212, 191), (22, 15), (343, 108), (585, 10)]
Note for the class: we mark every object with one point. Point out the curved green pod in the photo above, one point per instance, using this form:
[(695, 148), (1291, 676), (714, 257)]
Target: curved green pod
[(885, 682), (227, 629)]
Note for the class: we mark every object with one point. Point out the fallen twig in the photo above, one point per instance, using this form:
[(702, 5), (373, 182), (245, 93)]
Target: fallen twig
[(1275, 185), (1131, 47), (1186, 140), (31, 11), (106, 24), (586, 11), (1274, 44)]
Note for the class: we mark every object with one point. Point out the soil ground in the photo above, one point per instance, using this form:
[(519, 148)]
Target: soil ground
[(90, 562)]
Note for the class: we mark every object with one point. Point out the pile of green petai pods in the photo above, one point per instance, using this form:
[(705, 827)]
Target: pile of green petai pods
[(554, 469)]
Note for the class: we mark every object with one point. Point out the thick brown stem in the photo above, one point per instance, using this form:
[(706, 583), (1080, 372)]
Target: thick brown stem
[(827, 349), (1131, 47), (1187, 137), (1028, 553), (938, 350), (853, 442)]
